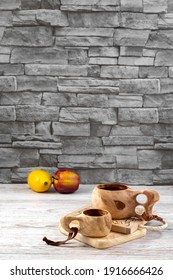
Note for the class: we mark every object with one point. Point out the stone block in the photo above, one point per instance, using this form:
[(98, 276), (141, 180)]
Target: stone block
[(121, 150), (50, 4), (40, 17), (48, 160), (133, 5), (138, 21), (129, 37), (5, 176), (51, 151), (154, 6), (36, 144), (43, 128), (5, 138), (5, 18), (149, 52), (163, 177), (140, 86), (9, 158), (4, 58), (165, 21), (51, 17), (39, 55), (90, 2), (29, 157), (127, 140), (125, 130), (148, 159), (157, 129), (98, 176), (167, 162), (59, 99), (94, 71), (163, 146), (77, 56), (82, 32), (103, 61), (166, 85), (79, 114), (87, 82), (158, 101), (170, 6), (129, 162), (171, 72), (131, 51), (22, 98), (138, 61), (34, 36), (138, 115), (97, 129), (36, 113), (86, 161), (93, 100), (135, 177), (23, 128), (104, 51), (77, 41), (166, 115), (118, 72), (89, 90), (5, 50), (1, 32), (164, 58), (55, 70), (71, 129), (25, 83), (7, 113), (162, 39), (153, 72), (11, 69), (7, 84), (17, 127), (125, 101), (81, 146), (30, 5), (94, 19), (10, 5)]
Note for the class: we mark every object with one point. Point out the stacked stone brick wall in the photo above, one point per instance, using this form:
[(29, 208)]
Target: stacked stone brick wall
[(87, 85)]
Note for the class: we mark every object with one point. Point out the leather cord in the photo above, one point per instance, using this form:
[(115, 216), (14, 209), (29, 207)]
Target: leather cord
[(71, 235)]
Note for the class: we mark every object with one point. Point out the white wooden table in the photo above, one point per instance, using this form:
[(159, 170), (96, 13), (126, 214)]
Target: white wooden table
[(26, 217)]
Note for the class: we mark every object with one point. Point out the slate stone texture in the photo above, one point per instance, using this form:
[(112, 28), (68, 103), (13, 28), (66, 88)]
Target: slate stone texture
[(87, 85)]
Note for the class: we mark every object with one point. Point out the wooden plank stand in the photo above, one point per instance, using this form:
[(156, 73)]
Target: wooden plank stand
[(122, 231)]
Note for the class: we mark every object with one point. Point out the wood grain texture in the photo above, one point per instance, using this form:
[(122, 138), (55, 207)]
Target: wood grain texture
[(26, 217)]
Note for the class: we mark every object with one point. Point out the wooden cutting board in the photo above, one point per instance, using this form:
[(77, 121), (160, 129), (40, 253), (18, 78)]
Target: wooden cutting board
[(115, 237)]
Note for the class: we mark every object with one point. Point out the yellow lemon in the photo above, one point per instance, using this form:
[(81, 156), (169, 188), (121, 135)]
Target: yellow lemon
[(39, 180)]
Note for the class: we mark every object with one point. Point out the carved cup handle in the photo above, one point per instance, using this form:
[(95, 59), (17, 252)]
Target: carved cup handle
[(152, 198)]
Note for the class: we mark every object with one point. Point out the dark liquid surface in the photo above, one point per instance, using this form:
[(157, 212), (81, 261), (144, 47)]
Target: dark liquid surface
[(113, 187), (94, 212)]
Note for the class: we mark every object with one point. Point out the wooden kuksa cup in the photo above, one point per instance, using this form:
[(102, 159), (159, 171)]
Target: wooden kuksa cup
[(121, 201), (91, 222)]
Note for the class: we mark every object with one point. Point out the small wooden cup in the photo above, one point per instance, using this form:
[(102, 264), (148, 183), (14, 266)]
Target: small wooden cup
[(121, 201), (91, 222)]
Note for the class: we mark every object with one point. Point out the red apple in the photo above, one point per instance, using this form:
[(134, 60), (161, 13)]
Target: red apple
[(66, 181)]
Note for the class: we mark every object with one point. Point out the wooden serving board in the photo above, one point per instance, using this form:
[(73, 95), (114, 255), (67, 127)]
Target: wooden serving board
[(113, 238)]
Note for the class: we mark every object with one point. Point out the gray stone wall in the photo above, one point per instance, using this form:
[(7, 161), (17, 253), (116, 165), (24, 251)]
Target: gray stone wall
[(87, 85)]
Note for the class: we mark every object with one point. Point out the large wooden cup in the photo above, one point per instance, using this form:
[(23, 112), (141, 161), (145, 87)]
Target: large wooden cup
[(91, 222), (121, 201)]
